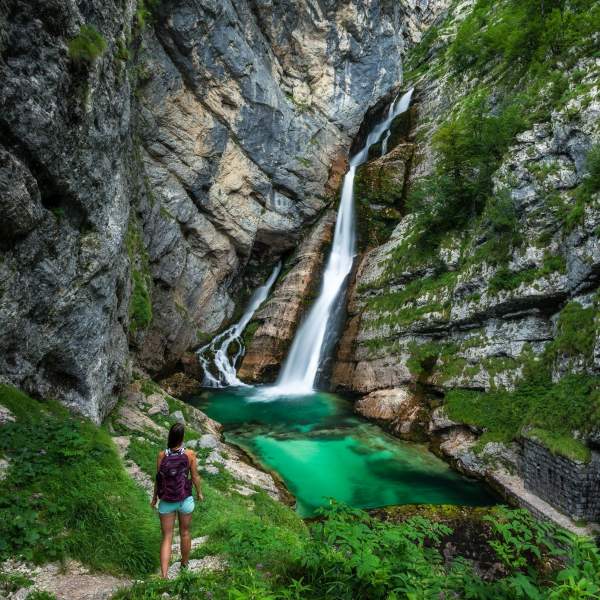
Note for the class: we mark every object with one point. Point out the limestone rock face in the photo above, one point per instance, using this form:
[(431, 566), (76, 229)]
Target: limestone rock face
[(484, 326), (278, 318), (399, 408), (139, 180)]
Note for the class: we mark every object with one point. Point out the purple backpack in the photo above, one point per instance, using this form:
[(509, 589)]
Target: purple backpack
[(173, 481)]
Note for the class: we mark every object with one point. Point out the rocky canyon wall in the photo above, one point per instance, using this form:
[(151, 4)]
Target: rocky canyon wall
[(151, 152), (489, 311)]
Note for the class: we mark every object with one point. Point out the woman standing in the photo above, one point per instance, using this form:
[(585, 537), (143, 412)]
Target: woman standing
[(176, 471)]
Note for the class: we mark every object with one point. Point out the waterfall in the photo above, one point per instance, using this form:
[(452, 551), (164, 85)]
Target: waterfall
[(298, 374), (223, 361)]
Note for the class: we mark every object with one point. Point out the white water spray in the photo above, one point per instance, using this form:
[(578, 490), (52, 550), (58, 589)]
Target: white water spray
[(299, 372), (224, 362)]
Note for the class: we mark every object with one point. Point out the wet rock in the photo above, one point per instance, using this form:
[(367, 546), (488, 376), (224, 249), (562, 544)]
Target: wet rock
[(386, 405), (278, 318), (401, 410)]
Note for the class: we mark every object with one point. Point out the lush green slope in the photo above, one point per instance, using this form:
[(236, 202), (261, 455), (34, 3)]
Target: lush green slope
[(67, 493)]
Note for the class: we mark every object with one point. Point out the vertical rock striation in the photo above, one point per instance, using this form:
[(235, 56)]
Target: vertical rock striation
[(146, 159)]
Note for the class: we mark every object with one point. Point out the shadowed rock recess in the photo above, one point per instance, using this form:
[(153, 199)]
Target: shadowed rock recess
[(148, 156)]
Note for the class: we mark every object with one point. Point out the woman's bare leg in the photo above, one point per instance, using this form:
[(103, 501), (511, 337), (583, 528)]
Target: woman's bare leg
[(185, 522), (167, 522)]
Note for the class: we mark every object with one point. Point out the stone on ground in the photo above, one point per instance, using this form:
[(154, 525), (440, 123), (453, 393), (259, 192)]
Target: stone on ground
[(6, 416), (71, 581), (207, 563)]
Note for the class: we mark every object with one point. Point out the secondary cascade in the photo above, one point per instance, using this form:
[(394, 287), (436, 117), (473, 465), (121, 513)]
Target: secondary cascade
[(223, 360), (299, 372)]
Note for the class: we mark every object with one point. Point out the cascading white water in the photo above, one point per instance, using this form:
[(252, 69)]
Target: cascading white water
[(300, 369), (386, 137), (219, 347)]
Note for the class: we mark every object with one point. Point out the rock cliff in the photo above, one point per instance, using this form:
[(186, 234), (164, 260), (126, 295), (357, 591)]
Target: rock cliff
[(150, 151), (485, 295), (458, 291)]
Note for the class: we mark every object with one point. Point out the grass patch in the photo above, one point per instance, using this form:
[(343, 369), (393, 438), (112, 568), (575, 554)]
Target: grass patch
[(573, 403), (576, 332), (349, 554), (140, 302), (563, 445), (87, 46), (72, 486), (505, 279)]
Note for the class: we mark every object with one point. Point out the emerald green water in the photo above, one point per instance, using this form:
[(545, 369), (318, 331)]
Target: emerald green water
[(322, 450)]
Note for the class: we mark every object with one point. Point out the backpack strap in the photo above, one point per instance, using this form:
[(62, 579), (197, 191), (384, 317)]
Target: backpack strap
[(169, 452)]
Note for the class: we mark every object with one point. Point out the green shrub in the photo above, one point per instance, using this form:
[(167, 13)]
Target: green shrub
[(75, 497), (10, 583), (576, 332), (592, 182), (37, 595), (505, 279), (469, 145), (140, 306), (351, 555), (87, 46), (561, 408), (520, 35)]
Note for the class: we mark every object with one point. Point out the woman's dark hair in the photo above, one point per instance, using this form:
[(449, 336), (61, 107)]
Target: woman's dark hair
[(176, 435)]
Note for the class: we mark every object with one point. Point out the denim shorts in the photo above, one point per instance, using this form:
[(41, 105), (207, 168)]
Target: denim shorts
[(185, 507)]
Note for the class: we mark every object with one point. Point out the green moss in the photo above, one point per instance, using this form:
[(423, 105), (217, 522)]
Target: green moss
[(558, 407), (140, 302), (576, 332), (305, 162), (249, 332), (71, 485), (505, 279), (145, 11), (423, 357), (560, 444), (122, 51), (87, 46)]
